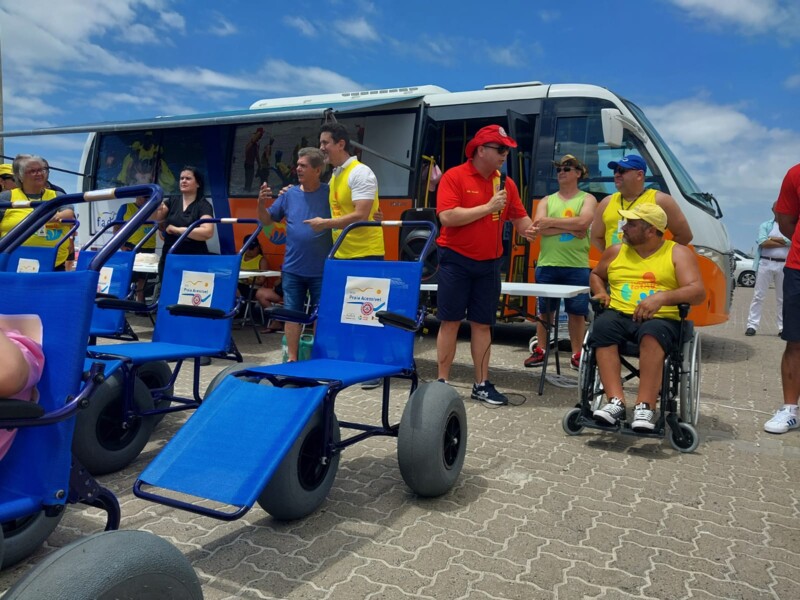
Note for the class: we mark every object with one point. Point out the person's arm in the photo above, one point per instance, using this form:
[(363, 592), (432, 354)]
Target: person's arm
[(65, 212), (787, 224), (598, 278), (524, 226), (690, 288), (577, 226), (459, 215), (361, 213), (676, 220), (14, 369), (598, 237), (161, 212), (264, 194), (201, 233)]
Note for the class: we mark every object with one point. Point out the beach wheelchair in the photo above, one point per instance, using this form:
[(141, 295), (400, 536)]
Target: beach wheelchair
[(39, 259), (196, 308), (116, 282), (679, 398), (270, 434), (38, 476)]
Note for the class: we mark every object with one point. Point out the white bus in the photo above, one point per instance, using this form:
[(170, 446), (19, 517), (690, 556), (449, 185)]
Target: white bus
[(400, 133)]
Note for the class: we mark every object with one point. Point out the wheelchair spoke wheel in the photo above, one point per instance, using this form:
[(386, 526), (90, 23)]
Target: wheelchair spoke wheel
[(690, 440), (104, 441), (690, 383), (570, 422), (432, 439), (305, 476)]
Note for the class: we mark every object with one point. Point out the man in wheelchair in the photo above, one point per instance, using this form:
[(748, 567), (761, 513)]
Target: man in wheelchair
[(640, 283)]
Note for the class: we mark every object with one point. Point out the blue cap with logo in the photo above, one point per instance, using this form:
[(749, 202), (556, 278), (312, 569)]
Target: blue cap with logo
[(632, 161)]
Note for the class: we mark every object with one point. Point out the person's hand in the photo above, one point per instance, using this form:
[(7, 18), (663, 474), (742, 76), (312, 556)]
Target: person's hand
[(497, 202), (579, 234), (285, 189), (530, 233), (174, 230), (264, 194), (603, 298), (317, 224), (378, 216), (648, 307)]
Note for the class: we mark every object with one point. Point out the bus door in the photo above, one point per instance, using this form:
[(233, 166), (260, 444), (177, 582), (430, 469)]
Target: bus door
[(518, 262)]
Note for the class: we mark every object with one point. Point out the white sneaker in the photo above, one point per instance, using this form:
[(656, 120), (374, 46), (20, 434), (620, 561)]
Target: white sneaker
[(611, 412), (643, 418), (783, 421)]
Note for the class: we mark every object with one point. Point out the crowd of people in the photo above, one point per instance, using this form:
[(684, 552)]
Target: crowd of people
[(640, 278)]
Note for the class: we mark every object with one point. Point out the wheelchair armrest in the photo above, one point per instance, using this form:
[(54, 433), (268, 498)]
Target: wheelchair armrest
[(184, 310), (289, 315), (683, 310), (597, 306), (99, 295), (19, 409), (108, 301), (395, 320)]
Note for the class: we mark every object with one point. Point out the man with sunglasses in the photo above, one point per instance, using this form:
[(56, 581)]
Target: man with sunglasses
[(7, 181), (473, 202), (629, 179), (640, 283), (562, 223)]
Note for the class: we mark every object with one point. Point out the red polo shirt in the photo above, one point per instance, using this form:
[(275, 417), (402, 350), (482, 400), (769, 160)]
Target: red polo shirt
[(463, 186), (789, 204)]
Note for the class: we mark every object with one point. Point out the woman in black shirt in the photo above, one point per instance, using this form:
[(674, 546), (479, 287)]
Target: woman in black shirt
[(178, 212)]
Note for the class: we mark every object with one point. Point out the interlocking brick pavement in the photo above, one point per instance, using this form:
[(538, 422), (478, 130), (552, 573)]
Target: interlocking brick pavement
[(536, 514)]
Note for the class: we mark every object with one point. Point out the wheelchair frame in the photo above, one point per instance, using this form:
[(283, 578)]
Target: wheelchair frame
[(679, 398)]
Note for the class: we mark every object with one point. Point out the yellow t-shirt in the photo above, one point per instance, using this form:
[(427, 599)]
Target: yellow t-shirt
[(613, 221), (365, 241), (633, 278), (47, 236)]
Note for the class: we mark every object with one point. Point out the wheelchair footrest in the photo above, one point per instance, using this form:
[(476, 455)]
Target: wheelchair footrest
[(619, 427), (229, 448)]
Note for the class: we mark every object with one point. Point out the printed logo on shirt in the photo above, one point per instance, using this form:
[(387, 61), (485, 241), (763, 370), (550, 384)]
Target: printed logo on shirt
[(645, 287), (566, 237)]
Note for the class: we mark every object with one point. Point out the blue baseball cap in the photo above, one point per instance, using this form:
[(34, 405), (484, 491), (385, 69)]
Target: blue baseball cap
[(632, 161)]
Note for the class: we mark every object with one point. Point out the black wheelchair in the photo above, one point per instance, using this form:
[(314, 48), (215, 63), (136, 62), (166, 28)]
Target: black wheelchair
[(679, 398)]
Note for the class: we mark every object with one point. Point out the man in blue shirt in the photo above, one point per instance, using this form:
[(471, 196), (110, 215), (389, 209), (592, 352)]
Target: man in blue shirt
[(306, 249)]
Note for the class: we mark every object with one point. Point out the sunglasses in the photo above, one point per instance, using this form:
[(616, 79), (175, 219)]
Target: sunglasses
[(5, 177), (498, 149), (565, 169), (622, 170)]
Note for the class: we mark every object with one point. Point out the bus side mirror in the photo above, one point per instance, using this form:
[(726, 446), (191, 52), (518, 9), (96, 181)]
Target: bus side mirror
[(612, 127), (614, 122)]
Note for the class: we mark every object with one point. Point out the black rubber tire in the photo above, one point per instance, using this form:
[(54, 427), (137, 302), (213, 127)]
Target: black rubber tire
[(432, 439), (300, 484), (227, 371), (691, 441), (570, 422), (100, 443), (155, 375), (134, 565), (22, 537), (747, 279)]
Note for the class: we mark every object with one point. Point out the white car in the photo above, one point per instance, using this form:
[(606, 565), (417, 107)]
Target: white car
[(744, 273)]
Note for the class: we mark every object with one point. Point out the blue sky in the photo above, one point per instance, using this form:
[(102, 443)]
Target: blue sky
[(719, 78)]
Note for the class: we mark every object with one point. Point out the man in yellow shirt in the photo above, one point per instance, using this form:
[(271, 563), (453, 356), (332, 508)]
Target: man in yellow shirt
[(640, 283)]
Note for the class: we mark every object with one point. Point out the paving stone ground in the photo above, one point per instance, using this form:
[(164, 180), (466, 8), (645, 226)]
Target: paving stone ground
[(536, 514)]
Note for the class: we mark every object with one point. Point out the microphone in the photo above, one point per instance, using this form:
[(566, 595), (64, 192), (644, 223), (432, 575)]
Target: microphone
[(502, 185)]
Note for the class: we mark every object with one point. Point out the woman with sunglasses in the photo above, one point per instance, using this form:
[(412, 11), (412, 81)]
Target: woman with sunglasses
[(31, 174), (561, 223)]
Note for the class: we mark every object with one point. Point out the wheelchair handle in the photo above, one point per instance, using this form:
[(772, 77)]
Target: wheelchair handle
[(227, 220)]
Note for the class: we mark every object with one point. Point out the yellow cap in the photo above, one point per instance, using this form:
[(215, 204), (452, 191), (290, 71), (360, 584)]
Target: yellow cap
[(650, 213), (5, 169)]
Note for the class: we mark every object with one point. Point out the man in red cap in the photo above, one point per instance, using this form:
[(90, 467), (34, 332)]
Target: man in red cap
[(473, 202)]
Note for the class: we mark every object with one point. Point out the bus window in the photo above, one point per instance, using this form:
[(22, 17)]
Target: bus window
[(583, 138)]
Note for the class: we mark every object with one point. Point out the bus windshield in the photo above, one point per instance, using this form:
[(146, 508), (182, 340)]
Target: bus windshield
[(685, 182)]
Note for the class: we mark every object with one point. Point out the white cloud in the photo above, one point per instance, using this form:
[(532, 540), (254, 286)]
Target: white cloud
[(174, 21), (304, 26), (751, 16), (548, 16), (356, 30), (792, 81), (222, 27), (739, 160)]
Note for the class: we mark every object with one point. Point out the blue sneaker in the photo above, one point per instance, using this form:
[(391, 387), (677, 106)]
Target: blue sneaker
[(486, 392)]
